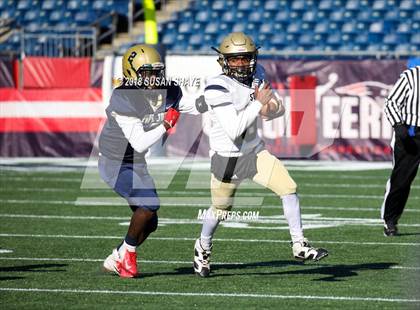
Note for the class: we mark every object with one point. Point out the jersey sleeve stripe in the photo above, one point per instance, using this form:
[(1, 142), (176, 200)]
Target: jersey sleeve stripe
[(221, 104), (217, 87)]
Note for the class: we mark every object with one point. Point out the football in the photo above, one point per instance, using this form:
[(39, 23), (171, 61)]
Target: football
[(270, 109)]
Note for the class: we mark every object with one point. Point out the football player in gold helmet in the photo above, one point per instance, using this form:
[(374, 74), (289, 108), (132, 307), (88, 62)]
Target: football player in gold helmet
[(138, 116), (143, 66), (235, 99), (238, 57)]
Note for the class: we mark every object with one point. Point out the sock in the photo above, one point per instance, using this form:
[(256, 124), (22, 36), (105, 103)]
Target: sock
[(129, 245), (291, 211), (210, 223)]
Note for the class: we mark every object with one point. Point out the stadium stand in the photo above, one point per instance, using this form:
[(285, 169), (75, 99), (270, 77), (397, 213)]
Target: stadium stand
[(302, 25), (276, 25)]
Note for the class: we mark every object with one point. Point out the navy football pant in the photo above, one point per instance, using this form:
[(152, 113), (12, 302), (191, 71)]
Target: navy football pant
[(131, 181)]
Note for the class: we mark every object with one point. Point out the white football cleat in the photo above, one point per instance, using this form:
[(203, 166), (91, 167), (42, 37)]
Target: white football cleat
[(201, 259), (302, 250), (112, 262)]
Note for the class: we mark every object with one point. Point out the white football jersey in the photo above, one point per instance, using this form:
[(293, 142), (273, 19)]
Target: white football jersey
[(233, 112)]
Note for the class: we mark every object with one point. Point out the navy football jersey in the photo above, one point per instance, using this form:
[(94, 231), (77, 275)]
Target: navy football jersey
[(149, 105)]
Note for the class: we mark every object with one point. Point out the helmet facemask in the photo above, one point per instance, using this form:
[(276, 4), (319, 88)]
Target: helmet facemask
[(151, 76), (242, 73)]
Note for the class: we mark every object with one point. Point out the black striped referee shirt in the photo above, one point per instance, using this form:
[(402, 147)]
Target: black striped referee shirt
[(403, 102)]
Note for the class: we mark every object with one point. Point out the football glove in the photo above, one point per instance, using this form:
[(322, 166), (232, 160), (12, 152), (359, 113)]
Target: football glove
[(171, 117)]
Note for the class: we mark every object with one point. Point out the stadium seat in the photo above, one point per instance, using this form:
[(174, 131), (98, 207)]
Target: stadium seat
[(246, 5), (51, 4), (403, 48), (349, 27), (202, 16), (219, 5), (322, 27), (294, 27), (228, 17), (211, 28), (31, 16), (309, 16), (337, 16), (392, 15), (3, 4), (282, 16), (279, 39), (196, 39), (353, 5), (239, 27), (404, 27), (185, 27), (306, 40), (334, 39), (85, 17), (24, 5), (325, 5), (407, 5), (377, 27), (271, 5), (415, 39), (256, 17), (362, 38), (381, 5), (168, 38), (300, 5)]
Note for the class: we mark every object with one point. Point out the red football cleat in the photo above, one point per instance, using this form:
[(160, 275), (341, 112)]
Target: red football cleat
[(127, 267)]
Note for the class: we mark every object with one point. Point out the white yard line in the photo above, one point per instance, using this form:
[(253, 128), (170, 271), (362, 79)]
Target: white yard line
[(216, 239), (207, 294), (157, 173), (120, 202), (204, 186), (263, 219), (171, 262), (93, 260), (193, 193)]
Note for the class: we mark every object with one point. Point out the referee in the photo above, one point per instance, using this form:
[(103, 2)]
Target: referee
[(402, 108)]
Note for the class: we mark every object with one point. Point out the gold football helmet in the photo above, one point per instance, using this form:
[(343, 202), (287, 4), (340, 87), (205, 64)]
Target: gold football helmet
[(142, 61), (233, 45)]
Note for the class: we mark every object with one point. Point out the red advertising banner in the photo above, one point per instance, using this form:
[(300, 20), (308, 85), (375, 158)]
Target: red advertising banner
[(54, 122), (46, 72)]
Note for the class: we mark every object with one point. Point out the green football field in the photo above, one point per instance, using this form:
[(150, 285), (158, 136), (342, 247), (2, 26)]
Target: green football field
[(58, 225)]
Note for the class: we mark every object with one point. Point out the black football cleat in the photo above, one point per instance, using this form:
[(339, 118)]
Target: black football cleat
[(303, 251), (201, 260), (390, 229)]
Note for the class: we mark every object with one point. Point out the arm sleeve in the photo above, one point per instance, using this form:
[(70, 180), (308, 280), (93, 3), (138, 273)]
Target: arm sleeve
[(396, 100), (220, 101), (139, 139), (232, 123)]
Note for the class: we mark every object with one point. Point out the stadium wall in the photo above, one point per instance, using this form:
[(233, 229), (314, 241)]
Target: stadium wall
[(343, 109)]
